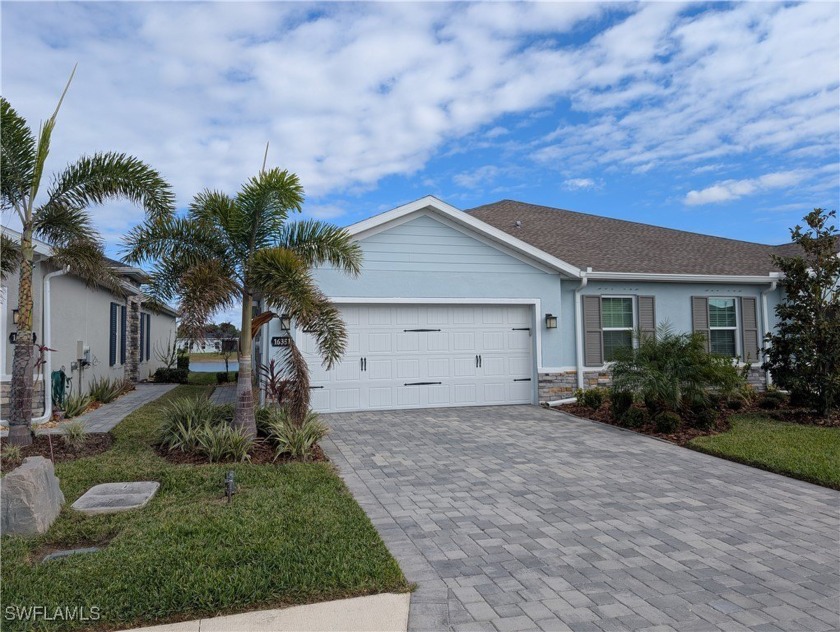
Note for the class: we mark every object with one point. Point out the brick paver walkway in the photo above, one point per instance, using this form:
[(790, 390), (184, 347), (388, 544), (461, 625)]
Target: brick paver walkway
[(224, 394), (518, 518)]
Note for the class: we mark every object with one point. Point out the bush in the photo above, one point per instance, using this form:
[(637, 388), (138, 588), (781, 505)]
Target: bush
[(735, 403), (222, 377), (769, 403), (620, 402), (296, 440), (124, 386), (75, 405), (634, 418), (591, 398), (779, 396), (263, 417), (185, 419), (74, 434), (171, 376), (667, 422), (11, 453), (104, 390), (705, 419), (224, 443), (670, 371), (183, 362)]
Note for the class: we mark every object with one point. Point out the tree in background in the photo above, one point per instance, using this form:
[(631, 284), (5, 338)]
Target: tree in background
[(804, 353), (229, 249), (63, 221)]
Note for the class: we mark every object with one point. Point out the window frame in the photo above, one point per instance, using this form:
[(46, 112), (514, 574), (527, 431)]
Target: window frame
[(635, 312), (735, 329)]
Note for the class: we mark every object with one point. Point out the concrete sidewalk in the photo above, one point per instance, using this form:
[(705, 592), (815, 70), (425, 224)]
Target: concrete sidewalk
[(378, 613)]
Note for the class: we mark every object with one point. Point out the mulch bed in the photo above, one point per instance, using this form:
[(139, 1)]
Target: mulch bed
[(261, 454), (686, 433), (95, 443)]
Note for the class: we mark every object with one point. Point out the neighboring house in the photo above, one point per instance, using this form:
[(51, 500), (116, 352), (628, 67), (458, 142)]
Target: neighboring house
[(512, 303), (208, 345), (94, 333)]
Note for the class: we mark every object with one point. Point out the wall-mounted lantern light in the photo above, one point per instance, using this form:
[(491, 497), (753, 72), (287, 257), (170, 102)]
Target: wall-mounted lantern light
[(285, 322), (550, 321), (15, 316)]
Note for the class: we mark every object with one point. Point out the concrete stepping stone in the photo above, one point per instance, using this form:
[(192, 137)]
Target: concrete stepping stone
[(67, 553), (113, 497)]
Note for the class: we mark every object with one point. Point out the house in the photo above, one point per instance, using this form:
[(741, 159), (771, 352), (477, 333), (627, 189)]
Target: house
[(93, 332), (208, 345), (512, 303)]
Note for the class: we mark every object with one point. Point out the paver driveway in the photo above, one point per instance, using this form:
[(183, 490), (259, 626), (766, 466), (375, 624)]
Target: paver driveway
[(515, 518)]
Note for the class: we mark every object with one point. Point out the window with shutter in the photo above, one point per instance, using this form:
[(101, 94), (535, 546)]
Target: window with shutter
[(616, 325), (700, 317), (749, 329)]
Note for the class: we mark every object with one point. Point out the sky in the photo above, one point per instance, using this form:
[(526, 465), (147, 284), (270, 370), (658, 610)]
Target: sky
[(716, 118)]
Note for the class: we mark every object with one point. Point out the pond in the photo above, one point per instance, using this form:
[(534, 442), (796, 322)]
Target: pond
[(213, 366)]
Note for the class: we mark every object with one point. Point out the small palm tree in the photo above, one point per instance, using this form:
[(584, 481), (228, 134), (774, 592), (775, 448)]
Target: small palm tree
[(62, 220), (231, 249)]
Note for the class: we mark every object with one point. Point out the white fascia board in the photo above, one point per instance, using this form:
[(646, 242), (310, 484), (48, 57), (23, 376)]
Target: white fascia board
[(682, 278), (375, 223)]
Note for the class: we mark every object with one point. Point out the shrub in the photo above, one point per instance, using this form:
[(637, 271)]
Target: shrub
[(769, 403), (12, 453), (667, 422), (124, 386), (634, 418), (296, 440), (591, 398), (670, 371), (222, 377), (705, 419), (735, 403), (75, 405), (183, 362), (184, 420), (779, 396), (177, 376), (104, 390), (263, 416), (74, 434), (224, 443), (620, 402)]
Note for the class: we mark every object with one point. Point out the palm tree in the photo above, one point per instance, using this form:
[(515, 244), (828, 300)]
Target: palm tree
[(62, 220), (241, 248)]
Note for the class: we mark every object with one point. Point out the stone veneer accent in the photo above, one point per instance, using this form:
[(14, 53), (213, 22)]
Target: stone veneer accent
[(553, 386), (132, 358), (37, 398)]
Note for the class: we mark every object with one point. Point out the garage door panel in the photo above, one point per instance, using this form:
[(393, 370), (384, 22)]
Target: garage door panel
[(407, 342), (380, 397), (378, 343), (438, 367), (463, 341), (464, 394), (380, 369), (408, 396), (464, 367), (438, 395), (408, 369), (320, 399), (520, 391), (519, 367), (493, 341), (519, 341), (348, 371), (494, 366), (408, 316), (436, 341), (347, 398), (492, 315)]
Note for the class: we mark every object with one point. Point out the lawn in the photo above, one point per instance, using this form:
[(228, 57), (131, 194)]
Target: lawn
[(201, 378), (809, 453), (292, 535)]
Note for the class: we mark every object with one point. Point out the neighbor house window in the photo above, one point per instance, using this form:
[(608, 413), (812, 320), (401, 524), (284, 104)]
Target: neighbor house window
[(723, 323), (617, 325)]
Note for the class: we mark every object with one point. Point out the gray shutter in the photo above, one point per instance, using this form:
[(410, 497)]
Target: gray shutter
[(749, 329), (647, 315), (148, 336), (123, 334), (140, 352), (593, 344), (112, 341), (700, 316)]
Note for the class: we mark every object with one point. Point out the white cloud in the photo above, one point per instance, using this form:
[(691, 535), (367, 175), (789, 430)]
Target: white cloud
[(477, 177), (578, 184), (729, 190)]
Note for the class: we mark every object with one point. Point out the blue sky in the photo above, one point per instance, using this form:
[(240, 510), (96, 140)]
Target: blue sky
[(717, 118)]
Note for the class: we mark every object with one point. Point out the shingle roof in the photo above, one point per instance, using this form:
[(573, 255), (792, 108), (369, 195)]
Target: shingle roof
[(613, 245)]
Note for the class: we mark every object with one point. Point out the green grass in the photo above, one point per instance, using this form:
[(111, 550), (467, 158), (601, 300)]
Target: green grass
[(203, 379), (211, 357), (809, 453), (292, 535)]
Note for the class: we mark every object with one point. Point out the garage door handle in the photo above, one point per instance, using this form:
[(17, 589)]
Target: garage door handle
[(420, 383), (311, 387), (362, 364), (523, 379), (407, 330)]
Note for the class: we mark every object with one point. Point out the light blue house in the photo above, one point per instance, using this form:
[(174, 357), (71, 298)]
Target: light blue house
[(512, 303)]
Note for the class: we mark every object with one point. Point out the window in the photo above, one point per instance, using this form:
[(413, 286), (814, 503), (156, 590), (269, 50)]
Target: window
[(112, 337), (723, 323), (617, 325)]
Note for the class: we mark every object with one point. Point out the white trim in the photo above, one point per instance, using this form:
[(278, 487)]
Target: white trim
[(765, 323), (377, 223), (683, 278)]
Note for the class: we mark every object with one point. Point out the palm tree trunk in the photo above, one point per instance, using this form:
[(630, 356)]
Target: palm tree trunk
[(20, 414), (243, 416)]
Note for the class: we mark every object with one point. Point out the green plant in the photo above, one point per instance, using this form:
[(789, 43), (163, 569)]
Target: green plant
[(74, 434), (295, 439), (591, 397), (185, 419), (263, 416), (620, 402), (634, 417), (667, 422), (670, 371), (769, 403), (124, 386), (804, 350), (777, 395), (222, 377), (176, 376), (705, 419), (735, 403), (12, 453), (104, 390), (224, 443), (75, 405), (183, 361)]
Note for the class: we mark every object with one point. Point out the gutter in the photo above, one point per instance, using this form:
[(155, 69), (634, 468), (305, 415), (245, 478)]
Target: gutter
[(579, 328), (765, 323), (682, 278), (46, 323)]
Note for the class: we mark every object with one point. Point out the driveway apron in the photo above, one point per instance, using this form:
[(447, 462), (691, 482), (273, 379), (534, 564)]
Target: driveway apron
[(522, 518)]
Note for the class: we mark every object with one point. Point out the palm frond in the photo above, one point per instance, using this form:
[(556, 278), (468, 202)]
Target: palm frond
[(9, 255), (285, 282), (59, 225), (219, 210), (17, 157), (295, 373), (104, 176), (86, 259), (266, 200), (259, 320), (204, 290), (318, 242)]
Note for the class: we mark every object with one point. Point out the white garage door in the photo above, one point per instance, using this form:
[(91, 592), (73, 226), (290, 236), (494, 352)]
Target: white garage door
[(418, 356)]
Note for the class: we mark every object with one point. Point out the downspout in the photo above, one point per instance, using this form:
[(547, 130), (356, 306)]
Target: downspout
[(46, 323), (579, 328), (765, 323)]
